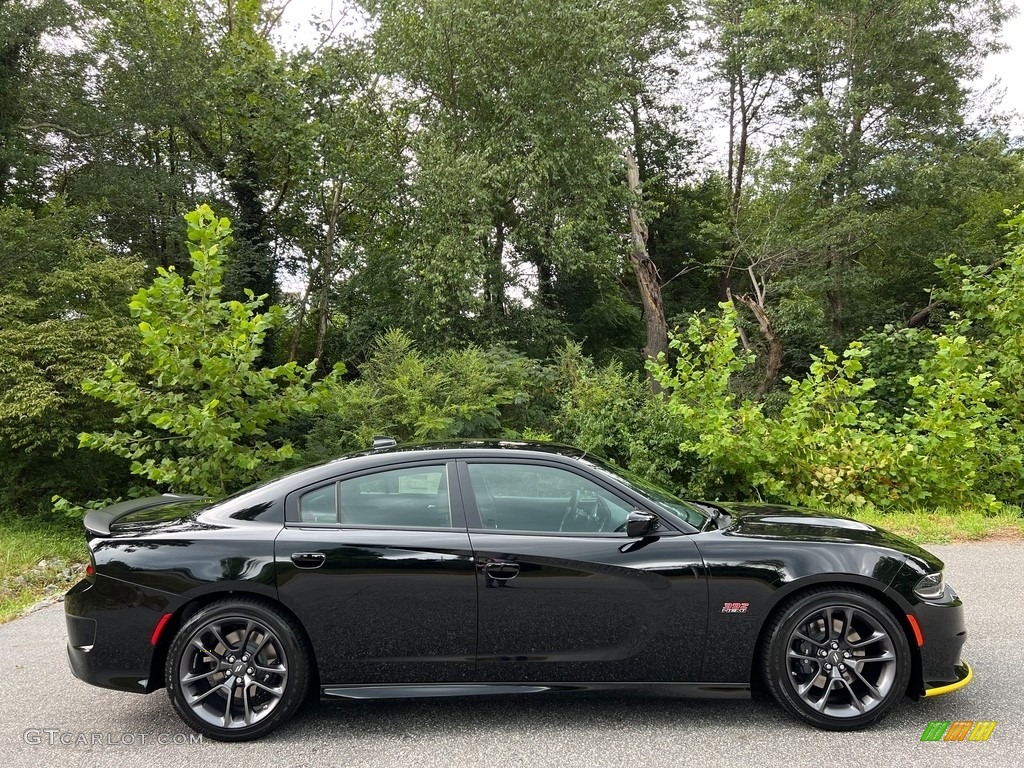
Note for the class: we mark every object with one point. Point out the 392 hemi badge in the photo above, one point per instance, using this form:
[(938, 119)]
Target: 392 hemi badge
[(735, 607)]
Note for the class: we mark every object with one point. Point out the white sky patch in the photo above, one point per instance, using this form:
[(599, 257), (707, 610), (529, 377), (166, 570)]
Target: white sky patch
[(1006, 71)]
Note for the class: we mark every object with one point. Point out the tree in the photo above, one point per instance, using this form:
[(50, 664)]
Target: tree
[(517, 181), (345, 204), (191, 102), (197, 420), (878, 99), (647, 277), (63, 312), (40, 85)]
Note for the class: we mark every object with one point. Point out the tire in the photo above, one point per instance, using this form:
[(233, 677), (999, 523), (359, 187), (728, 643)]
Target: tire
[(866, 664), (238, 669)]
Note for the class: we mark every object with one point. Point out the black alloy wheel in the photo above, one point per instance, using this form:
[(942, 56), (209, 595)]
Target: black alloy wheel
[(836, 658), (237, 670)]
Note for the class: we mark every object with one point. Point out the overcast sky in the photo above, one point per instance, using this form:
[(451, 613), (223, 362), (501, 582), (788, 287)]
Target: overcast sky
[(1008, 67)]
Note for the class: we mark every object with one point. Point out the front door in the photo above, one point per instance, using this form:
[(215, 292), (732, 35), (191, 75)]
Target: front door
[(564, 594)]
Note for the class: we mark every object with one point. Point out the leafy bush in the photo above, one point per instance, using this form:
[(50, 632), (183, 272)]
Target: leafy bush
[(63, 313), (197, 420), (612, 412), (955, 437), (415, 397)]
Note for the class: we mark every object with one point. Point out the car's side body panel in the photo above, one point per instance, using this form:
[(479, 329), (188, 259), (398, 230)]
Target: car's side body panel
[(590, 608), (386, 606), (743, 591), (113, 616), (110, 623)]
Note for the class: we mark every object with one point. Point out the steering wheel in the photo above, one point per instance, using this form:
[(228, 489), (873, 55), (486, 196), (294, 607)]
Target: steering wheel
[(602, 514), (578, 520), (572, 512)]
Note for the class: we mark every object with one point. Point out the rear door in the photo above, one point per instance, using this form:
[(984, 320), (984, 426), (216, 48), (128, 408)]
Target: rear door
[(564, 595), (378, 567)]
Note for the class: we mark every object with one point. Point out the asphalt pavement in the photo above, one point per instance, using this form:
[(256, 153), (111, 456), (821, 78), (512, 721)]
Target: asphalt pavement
[(48, 718)]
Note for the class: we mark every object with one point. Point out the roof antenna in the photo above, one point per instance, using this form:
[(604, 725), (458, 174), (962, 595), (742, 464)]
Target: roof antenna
[(383, 441)]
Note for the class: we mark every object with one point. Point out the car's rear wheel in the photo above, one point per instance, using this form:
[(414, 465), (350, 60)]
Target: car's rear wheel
[(836, 658), (237, 669)]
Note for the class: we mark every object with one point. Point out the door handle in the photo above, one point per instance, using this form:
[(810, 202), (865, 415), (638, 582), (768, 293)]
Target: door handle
[(308, 559), (501, 570)]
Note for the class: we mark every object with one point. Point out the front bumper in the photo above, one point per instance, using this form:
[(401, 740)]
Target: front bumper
[(109, 625), (944, 633), (965, 674)]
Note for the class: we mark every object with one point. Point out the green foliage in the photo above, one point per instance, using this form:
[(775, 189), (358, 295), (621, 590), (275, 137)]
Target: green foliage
[(196, 421), (63, 312), (412, 396), (456, 173), (611, 412), (956, 436)]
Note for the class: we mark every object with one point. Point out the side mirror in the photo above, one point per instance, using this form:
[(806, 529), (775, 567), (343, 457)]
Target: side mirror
[(639, 524)]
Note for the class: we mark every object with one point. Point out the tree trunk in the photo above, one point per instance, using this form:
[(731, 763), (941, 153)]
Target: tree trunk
[(293, 345), (494, 279), (774, 362), (327, 276), (647, 277)]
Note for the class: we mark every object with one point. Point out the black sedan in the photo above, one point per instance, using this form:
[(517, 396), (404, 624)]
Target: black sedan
[(484, 567)]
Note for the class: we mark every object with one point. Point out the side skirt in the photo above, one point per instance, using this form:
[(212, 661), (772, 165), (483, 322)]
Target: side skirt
[(427, 690)]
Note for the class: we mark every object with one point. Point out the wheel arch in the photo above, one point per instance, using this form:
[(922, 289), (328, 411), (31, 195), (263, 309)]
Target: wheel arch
[(872, 589), (196, 604)]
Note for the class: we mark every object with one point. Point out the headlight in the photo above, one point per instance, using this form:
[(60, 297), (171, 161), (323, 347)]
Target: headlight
[(931, 587)]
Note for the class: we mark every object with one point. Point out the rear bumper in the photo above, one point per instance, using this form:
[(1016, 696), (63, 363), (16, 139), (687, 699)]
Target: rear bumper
[(109, 625)]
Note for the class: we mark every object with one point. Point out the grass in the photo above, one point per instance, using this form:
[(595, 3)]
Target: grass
[(38, 558), (944, 526)]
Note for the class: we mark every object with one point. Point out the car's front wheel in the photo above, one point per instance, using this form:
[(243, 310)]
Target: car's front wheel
[(237, 669), (836, 658)]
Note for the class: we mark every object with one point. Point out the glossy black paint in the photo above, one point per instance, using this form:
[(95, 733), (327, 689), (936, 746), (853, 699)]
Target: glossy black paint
[(473, 609), (590, 608), (386, 606)]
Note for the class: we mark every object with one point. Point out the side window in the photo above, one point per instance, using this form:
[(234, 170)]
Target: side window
[(415, 497), (528, 497), (320, 505)]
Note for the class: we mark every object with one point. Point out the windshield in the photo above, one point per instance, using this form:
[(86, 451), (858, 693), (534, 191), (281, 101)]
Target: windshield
[(661, 498)]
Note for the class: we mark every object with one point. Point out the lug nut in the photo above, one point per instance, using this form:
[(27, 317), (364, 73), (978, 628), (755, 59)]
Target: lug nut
[(231, 659), (835, 645), (248, 671), (828, 666), (245, 657), (823, 653), (842, 667)]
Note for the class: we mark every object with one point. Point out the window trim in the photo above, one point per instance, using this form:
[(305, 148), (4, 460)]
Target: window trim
[(475, 521), (455, 502)]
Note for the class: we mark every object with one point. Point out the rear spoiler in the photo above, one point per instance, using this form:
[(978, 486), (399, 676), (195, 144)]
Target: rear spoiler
[(98, 521)]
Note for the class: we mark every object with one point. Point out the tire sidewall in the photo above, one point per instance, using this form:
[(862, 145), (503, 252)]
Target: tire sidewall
[(778, 668), (292, 646)]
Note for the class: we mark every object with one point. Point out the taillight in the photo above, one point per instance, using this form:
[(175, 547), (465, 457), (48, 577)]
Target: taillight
[(90, 571)]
